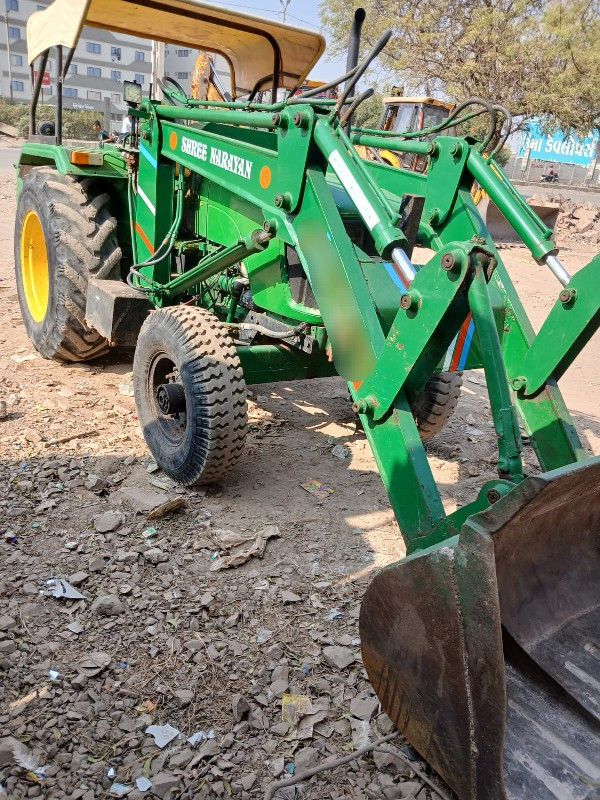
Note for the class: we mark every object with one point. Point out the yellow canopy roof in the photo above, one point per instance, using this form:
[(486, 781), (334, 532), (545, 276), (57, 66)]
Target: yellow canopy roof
[(254, 47)]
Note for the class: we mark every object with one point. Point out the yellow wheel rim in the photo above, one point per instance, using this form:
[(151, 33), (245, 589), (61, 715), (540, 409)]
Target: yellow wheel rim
[(34, 266)]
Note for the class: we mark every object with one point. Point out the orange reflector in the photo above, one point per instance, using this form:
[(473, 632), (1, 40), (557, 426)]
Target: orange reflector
[(264, 177), (90, 158)]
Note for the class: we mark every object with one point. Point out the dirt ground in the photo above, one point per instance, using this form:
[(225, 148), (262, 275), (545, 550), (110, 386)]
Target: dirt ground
[(159, 638)]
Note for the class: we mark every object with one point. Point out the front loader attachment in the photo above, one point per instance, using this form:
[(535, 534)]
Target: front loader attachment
[(501, 230), (485, 649)]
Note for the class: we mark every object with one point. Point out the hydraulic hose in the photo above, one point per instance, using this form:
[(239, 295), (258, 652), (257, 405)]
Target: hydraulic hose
[(360, 70), (131, 222), (346, 119), (167, 242), (299, 98), (447, 123), (508, 122)]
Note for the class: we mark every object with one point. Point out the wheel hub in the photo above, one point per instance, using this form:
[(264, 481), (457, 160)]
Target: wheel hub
[(170, 398), (34, 266)]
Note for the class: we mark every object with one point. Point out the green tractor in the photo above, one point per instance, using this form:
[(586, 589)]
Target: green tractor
[(237, 241)]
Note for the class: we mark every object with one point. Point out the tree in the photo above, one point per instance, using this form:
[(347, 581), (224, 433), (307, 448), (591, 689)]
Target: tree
[(509, 51), (570, 99), (369, 112)]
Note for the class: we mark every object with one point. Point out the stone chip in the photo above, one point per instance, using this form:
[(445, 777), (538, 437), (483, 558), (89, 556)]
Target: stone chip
[(339, 657), (108, 521), (108, 605)]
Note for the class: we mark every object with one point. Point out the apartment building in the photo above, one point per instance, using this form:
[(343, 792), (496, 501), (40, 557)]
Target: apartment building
[(101, 63)]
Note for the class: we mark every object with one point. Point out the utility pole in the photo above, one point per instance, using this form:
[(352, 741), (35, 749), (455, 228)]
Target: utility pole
[(590, 176), (10, 83), (158, 65), (284, 6), (154, 69)]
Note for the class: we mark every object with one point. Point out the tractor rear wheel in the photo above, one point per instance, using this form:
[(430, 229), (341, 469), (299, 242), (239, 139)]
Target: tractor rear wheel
[(436, 404), (64, 235), (190, 394)]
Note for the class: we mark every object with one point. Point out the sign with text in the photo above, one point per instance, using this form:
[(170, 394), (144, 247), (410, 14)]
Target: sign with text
[(45, 78), (558, 147)]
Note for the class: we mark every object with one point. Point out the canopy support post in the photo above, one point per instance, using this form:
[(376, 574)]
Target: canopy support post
[(37, 86), (59, 94)]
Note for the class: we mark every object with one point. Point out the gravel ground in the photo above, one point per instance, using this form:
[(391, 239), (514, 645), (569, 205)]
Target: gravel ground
[(255, 668)]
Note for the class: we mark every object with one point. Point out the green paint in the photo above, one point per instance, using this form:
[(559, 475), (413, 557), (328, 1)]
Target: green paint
[(227, 169), (38, 154), (422, 331), (269, 363), (567, 329)]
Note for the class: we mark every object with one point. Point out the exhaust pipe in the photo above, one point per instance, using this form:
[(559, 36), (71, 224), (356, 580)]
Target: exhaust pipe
[(354, 42), (353, 50)]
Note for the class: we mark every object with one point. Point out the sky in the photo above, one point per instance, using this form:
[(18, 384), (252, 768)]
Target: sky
[(301, 13)]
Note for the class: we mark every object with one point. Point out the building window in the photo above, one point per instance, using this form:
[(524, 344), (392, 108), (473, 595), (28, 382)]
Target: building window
[(94, 72), (17, 86), (69, 91), (91, 95), (16, 61), (92, 47), (12, 5), (115, 53), (13, 32), (73, 69), (182, 75), (183, 53), (139, 55), (139, 79), (115, 75), (115, 97)]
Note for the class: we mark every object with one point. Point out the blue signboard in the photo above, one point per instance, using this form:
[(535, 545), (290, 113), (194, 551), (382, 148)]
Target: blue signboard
[(558, 147)]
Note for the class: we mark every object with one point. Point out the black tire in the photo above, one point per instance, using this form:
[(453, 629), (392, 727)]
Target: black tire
[(46, 128), (80, 238), (435, 406), (188, 346)]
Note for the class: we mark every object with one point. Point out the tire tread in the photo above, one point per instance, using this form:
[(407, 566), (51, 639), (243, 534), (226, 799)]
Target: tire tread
[(86, 246), (437, 403), (219, 392)]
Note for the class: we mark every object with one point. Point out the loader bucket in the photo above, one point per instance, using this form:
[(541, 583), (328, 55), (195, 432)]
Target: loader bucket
[(502, 231), (485, 650)]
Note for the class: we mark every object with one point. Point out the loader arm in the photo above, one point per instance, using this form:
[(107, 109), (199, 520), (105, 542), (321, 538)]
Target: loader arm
[(382, 366), (569, 326)]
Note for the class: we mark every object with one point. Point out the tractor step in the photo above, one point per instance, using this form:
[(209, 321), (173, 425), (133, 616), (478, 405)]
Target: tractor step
[(116, 311)]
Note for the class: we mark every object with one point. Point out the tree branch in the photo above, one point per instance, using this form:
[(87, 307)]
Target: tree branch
[(333, 763), (575, 64)]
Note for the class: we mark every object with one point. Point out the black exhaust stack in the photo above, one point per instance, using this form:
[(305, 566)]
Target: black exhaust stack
[(353, 50)]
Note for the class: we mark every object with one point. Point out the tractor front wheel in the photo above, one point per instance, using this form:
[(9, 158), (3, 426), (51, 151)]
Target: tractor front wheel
[(190, 394), (64, 234), (436, 404)]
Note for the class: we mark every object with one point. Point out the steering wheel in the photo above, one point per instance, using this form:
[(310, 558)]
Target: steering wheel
[(173, 91)]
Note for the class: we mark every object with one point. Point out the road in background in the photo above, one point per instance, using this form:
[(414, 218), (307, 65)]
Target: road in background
[(8, 157), (570, 192)]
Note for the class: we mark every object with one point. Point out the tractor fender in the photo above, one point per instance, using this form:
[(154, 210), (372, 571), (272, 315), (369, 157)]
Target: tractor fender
[(42, 154)]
